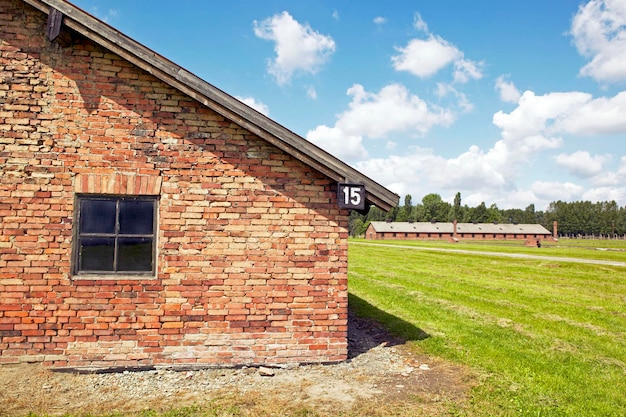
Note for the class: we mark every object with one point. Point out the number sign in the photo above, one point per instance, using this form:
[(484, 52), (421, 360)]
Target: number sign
[(351, 196)]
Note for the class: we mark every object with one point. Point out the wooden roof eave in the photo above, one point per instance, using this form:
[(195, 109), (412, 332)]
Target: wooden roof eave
[(216, 99)]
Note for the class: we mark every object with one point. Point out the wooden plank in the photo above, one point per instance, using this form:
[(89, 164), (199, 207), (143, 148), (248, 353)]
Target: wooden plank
[(53, 27)]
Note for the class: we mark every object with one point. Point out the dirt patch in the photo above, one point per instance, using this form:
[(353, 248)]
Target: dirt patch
[(383, 371)]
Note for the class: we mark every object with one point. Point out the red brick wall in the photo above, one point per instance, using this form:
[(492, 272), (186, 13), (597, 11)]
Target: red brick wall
[(252, 250), (370, 233)]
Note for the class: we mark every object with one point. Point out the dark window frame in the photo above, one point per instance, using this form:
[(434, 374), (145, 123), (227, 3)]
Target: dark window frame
[(80, 235)]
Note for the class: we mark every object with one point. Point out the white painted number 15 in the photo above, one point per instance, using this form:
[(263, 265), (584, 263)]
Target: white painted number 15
[(351, 196)]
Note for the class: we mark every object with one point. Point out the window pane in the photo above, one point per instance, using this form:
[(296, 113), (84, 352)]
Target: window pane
[(96, 254), (136, 217), (134, 254), (97, 216)]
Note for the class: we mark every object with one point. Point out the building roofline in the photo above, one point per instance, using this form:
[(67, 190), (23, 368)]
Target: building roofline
[(462, 228), (212, 97)]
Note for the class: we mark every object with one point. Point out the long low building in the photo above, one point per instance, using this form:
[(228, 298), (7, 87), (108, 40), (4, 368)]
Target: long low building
[(457, 231)]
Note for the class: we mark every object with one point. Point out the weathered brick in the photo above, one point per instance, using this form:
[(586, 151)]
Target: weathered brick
[(252, 253)]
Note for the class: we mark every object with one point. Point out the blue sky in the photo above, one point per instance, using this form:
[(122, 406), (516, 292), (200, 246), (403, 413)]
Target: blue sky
[(508, 102)]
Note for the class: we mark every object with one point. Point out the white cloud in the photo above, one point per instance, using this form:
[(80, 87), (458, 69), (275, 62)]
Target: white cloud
[(599, 32), (425, 57), (482, 176), (582, 164), (379, 20), (596, 116), (335, 15), (538, 122), (519, 198), (374, 115), (298, 47), (530, 129), (557, 113), (607, 179), (465, 70), (605, 194), (473, 170), (463, 102), (256, 105), (420, 171), (622, 168), (391, 145), (392, 109), (336, 142), (311, 92), (419, 24), (553, 191), (507, 90), (535, 115), (407, 172), (110, 14), (504, 172), (474, 199)]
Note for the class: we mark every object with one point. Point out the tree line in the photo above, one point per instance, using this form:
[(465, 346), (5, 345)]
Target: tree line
[(575, 219)]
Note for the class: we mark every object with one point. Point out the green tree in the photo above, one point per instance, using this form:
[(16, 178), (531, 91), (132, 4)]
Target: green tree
[(620, 223), (355, 222), (357, 228), (435, 208), (493, 214), (456, 212), (479, 214), (406, 212), (609, 217), (513, 215), (419, 213), (529, 214), (375, 215), (392, 214)]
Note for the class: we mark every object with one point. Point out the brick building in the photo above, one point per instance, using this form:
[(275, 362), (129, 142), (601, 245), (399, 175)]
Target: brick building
[(529, 233), (148, 218)]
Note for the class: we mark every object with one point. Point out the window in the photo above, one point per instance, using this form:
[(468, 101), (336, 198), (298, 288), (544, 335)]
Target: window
[(115, 235)]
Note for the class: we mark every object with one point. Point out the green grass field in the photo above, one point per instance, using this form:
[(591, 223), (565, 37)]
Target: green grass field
[(543, 337), (609, 250)]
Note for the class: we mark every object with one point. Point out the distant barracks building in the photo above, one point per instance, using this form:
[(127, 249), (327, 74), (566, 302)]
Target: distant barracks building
[(530, 233), (148, 218)]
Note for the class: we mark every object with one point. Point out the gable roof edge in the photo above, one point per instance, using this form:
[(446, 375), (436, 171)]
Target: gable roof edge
[(216, 99)]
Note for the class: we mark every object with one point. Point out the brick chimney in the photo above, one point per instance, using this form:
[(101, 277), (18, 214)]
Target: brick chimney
[(555, 230), (454, 228)]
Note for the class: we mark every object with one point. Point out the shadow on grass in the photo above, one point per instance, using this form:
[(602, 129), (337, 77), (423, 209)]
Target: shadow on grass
[(369, 326)]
